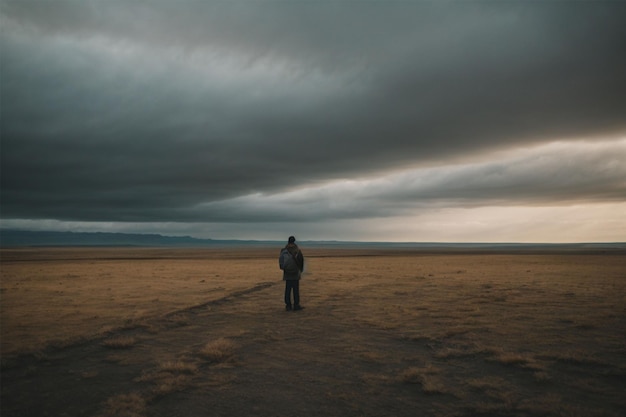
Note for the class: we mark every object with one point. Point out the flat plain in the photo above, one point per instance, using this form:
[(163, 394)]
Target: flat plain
[(147, 332)]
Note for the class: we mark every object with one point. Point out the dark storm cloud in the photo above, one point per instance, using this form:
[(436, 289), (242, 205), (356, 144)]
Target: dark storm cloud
[(534, 177), (171, 111)]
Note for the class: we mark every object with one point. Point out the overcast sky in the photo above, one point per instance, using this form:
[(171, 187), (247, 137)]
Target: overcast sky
[(457, 121)]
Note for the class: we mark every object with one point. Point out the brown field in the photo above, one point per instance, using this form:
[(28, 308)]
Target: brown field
[(172, 332)]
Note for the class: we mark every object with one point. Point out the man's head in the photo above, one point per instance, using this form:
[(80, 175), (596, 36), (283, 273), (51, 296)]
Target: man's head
[(291, 239)]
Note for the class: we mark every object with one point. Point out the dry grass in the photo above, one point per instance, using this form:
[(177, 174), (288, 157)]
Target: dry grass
[(374, 357), (218, 350), (125, 405), (418, 334), (53, 294), (178, 367), (429, 377), (120, 342), (511, 358), (170, 384), (169, 376)]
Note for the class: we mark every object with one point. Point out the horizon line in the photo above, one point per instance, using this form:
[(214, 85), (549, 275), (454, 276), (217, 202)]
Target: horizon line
[(313, 241)]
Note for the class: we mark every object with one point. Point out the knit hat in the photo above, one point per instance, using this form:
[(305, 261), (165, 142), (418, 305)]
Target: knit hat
[(292, 239)]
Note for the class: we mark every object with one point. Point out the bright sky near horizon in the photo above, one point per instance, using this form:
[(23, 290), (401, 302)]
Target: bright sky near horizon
[(452, 121)]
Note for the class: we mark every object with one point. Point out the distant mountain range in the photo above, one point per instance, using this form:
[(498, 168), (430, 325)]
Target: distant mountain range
[(25, 238), (10, 238)]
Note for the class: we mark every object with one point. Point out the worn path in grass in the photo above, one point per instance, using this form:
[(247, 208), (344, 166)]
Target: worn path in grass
[(313, 362), (380, 335)]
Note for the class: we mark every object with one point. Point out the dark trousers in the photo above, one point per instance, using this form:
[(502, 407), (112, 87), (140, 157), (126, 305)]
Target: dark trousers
[(292, 284)]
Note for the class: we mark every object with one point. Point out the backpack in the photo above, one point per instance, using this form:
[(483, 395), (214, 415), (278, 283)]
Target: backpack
[(287, 263)]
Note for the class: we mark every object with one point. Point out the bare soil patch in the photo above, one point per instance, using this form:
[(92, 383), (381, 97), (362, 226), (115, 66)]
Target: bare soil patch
[(170, 332)]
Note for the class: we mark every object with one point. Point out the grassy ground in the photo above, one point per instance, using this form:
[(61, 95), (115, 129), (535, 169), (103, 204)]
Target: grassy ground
[(155, 332)]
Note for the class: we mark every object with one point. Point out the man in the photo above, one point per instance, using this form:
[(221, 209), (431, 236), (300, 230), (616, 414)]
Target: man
[(291, 261)]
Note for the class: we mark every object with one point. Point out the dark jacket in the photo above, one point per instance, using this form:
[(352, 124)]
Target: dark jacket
[(291, 250)]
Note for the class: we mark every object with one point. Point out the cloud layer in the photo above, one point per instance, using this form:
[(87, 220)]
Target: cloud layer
[(262, 112)]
